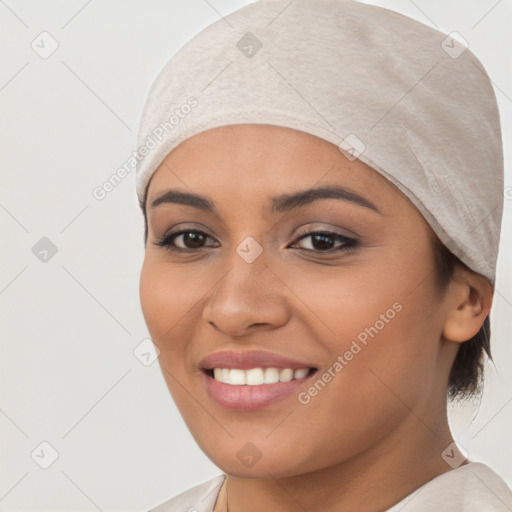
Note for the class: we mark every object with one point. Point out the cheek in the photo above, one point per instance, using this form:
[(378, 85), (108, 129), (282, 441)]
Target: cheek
[(156, 302), (379, 364), (169, 303), (386, 336), (169, 300)]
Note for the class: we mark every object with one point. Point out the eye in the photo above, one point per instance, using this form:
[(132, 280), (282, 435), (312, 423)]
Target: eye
[(193, 240), (325, 241), (184, 240)]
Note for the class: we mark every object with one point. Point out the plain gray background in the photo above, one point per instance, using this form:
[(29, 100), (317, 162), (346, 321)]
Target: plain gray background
[(69, 327)]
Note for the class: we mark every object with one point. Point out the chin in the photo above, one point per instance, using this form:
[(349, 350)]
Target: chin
[(244, 460)]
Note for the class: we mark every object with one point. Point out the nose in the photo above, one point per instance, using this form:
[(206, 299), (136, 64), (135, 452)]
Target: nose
[(248, 297)]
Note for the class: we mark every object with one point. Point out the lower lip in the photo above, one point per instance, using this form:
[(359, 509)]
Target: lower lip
[(251, 398)]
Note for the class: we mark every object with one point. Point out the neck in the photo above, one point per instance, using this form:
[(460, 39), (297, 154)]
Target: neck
[(372, 481)]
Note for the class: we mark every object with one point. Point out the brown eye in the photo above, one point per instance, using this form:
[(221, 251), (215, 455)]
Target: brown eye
[(325, 241), (184, 240)]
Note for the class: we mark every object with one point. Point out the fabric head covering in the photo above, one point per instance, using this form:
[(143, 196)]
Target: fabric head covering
[(411, 102)]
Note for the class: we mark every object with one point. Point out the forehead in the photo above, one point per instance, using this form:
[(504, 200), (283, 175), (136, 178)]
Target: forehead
[(255, 161)]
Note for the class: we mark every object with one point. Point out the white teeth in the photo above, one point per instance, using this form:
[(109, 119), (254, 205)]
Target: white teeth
[(237, 377), (299, 374), (257, 376), (253, 377), (286, 375), (271, 375)]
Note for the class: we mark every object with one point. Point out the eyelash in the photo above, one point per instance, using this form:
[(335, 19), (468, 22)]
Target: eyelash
[(347, 242)]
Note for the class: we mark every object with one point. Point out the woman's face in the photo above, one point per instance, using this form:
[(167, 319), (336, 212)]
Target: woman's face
[(357, 305)]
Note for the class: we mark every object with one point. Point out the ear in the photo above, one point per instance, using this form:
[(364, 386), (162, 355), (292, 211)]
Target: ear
[(469, 299)]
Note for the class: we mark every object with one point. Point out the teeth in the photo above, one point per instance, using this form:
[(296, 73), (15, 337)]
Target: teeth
[(299, 374), (271, 376), (237, 377), (257, 376), (286, 375), (254, 377)]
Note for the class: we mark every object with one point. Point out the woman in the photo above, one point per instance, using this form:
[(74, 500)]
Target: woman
[(322, 189)]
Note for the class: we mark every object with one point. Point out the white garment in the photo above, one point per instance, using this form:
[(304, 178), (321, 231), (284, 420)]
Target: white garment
[(473, 487)]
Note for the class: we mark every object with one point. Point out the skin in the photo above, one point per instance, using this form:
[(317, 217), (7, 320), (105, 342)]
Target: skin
[(376, 432)]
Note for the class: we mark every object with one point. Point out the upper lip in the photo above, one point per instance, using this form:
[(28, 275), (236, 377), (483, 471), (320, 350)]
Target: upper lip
[(247, 359)]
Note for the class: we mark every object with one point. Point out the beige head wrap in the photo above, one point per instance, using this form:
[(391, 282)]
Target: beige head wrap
[(413, 103)]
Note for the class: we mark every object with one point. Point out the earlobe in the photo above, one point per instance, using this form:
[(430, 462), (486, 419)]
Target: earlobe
[(469, 300)]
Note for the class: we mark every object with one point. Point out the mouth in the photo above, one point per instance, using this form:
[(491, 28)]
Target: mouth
[(252, 380)]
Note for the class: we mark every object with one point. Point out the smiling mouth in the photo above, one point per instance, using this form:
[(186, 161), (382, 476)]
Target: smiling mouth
[(258, 376)]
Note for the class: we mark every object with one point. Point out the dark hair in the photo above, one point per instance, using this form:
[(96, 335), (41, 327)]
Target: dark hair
[(466, 375)]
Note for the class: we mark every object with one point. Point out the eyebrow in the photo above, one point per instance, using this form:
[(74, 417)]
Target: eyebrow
[(280, 203)]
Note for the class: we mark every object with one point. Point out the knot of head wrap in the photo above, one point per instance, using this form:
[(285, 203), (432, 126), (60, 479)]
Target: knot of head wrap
[(411, 102)]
